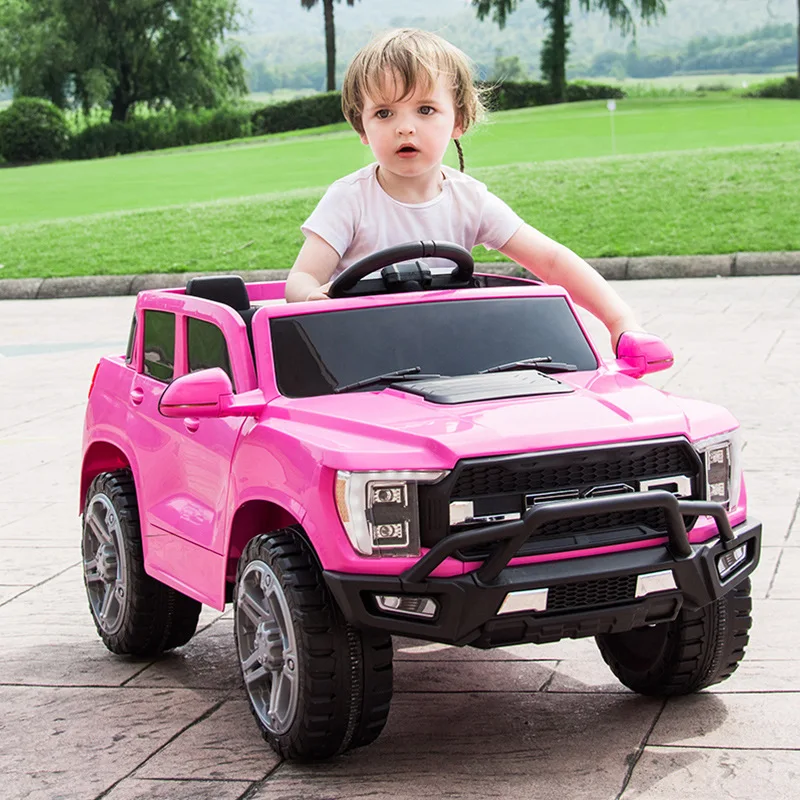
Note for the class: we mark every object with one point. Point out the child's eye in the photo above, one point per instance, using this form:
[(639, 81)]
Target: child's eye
[(383, 113), (426, 110)]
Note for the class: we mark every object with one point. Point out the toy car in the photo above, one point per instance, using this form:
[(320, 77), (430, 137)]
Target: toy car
[(434, 454)]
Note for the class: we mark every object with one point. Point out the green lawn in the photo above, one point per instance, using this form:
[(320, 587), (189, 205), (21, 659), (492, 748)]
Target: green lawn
[(731, 188)]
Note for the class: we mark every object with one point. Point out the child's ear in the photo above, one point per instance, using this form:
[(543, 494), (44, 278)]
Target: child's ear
[(458, 130), (363, 137)]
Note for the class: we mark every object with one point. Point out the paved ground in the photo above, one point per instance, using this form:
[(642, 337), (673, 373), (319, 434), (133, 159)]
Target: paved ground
[(526, 722)]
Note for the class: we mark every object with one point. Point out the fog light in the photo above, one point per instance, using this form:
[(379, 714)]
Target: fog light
[(404, 604), (728, 562)]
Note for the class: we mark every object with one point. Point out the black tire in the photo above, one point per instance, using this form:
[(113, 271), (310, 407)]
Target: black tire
[(144, 616), (316, 685), (695, 650)]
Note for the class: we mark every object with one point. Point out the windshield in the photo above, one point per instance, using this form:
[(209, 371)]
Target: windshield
[(315, 353)]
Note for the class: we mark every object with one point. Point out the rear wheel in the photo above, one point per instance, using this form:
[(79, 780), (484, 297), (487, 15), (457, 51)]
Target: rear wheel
[(316, 685), (695, 650), (133, 613)]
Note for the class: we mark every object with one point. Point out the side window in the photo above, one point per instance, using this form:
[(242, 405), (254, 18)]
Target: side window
[(131, 341), (159, 345), (206, 347)]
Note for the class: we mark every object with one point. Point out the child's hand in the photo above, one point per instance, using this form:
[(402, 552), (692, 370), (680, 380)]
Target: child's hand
[(321, 293)]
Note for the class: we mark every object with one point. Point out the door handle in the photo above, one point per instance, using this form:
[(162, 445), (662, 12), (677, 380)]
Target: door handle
[(137, 395), (191, 424)]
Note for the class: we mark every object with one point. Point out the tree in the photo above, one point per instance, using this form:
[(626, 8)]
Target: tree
[(555, 49), (330, 38), (798, 40), (121, 52)]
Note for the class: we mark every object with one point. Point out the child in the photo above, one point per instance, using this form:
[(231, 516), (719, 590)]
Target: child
[(407, 94)]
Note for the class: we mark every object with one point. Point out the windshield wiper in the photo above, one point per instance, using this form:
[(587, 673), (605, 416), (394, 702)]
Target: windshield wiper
[(542, 363), (408, 374)]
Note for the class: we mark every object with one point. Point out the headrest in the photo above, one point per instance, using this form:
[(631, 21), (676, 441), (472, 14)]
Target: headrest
[(227, 289)]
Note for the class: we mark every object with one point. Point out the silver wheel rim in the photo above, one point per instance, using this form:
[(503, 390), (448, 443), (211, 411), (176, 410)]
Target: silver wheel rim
[(104, 563), (267, 647)]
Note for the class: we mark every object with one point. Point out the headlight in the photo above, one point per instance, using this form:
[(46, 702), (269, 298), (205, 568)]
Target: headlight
[(379, 510), (722, 460)]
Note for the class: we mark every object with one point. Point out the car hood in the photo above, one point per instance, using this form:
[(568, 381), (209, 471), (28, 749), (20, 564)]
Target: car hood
[(397, 429)]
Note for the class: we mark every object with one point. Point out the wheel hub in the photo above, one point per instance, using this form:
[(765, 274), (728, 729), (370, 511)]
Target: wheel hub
[(106, 558), (268, 644)]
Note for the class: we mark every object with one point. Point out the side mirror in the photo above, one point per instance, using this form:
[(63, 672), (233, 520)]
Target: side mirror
[(640, 353), (208, 393)]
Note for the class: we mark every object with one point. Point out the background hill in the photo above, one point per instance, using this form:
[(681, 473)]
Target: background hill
[(282, 33)]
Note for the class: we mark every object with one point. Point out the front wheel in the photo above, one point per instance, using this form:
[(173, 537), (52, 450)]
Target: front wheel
[(316, 685), (695, 650)]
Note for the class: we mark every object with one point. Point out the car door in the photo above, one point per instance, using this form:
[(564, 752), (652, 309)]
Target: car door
[(184, 464)]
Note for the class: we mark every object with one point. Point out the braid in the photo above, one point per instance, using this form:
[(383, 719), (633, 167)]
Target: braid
[(460, 155)]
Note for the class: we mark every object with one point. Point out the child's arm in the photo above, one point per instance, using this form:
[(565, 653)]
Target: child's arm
[(312, 270), (556, 264)]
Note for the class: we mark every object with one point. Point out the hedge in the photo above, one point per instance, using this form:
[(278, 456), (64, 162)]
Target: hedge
[(160, 131), (176, 129), (32, 129), (787, 89)]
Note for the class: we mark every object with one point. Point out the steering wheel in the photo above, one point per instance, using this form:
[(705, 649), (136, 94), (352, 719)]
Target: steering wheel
[(352, 283)]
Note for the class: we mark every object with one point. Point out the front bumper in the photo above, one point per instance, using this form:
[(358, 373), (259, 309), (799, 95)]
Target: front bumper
[(585, 596)]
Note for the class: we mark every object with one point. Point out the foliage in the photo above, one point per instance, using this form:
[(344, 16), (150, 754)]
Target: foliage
[(555, 50), (32, 129), (121, 53), (159, 131), (787, 89), (305, 112), (507, 68)]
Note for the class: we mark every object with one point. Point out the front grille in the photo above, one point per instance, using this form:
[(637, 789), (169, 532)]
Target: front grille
[(603, 592), (551, 472), (502, 484)]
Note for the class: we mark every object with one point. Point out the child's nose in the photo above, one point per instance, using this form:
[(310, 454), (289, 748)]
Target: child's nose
[(405, 126)]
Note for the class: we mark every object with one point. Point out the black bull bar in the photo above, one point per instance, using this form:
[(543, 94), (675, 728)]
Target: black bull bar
[(510, 536)]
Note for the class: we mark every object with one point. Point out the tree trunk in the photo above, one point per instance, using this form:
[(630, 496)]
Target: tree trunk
[(330, 44), (560, 34)]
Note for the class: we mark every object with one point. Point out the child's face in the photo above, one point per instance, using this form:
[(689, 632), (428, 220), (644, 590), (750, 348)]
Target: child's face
[(409, 136)]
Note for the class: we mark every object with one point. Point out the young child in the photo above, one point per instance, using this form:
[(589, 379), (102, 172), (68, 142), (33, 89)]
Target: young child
[(407, 94)]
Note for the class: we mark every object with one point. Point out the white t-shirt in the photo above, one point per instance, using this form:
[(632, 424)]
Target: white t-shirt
[(356, 217)]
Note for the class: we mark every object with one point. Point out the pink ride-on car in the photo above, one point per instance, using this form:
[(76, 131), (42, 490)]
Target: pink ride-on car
[(433, 454)]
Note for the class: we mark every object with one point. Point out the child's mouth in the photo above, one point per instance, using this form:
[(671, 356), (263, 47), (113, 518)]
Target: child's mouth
[(407, 151)]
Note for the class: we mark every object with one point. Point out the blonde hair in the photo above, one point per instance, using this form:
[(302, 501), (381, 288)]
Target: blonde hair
[(414, 58)]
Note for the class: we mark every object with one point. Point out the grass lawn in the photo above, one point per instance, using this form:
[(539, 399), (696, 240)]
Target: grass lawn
[(732, 187)]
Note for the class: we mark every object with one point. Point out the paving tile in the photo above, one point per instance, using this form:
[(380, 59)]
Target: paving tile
[(760, 676), (431, 748), (60, 728), (751, 721), (471, 676), (774, 635), (26, 566), (666, 773), (762, 577), (786, 583), (226, 745), (10, 592), (136, 789)]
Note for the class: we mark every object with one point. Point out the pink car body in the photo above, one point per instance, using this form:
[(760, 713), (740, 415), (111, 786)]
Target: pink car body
[(211, 476)]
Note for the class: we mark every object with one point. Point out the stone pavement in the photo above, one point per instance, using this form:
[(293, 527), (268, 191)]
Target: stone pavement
[(526, 722)]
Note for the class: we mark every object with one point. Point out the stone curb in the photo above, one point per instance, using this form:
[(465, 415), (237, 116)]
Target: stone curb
[(617, 269)]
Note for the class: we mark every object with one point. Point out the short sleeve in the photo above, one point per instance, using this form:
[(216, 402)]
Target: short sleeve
[(498, 222), (335, 218)]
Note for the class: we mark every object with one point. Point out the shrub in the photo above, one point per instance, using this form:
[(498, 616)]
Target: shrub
[(305, 112), (156, 132), (505, 95), (787, 89), (32, 129)]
